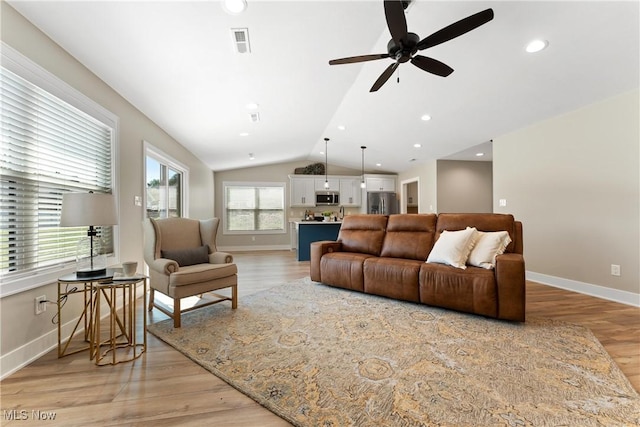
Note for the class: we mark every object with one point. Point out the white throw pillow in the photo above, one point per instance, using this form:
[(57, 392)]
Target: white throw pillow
[(453, 248), (488, 245)]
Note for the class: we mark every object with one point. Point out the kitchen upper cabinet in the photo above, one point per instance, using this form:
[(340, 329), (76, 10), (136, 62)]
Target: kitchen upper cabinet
[(350, 192), (303, 192), (334, 184), (381, 184)]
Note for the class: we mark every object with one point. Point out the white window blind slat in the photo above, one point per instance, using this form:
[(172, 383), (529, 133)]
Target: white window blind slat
[(49, 148)]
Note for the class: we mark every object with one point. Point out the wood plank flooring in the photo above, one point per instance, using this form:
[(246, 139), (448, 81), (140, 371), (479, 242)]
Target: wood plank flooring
[(164, 388)]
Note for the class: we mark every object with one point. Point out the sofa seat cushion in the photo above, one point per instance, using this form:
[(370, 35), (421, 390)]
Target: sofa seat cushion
[(472, 290), (343, 269), (201, 273), (392, 277)]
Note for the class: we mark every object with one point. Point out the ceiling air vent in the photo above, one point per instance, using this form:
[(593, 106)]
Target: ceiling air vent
[(255, 117), (240, 37)]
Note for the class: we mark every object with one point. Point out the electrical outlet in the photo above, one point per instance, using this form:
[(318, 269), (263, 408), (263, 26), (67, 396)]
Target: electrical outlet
[(615, 270), (41, 304)]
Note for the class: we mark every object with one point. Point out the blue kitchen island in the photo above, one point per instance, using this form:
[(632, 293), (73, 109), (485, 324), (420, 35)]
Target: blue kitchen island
[(314, 231)]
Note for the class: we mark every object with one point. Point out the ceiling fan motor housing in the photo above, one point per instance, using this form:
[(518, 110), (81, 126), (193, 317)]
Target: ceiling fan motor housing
[(405, 50)]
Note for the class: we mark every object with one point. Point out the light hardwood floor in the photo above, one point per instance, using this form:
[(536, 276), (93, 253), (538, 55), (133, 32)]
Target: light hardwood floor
[(164, 388)]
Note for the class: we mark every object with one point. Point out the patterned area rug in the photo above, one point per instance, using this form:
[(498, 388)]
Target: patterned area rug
[(321, 356)]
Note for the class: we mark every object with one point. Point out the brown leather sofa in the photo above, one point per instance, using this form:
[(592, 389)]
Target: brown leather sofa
[(385, 255)]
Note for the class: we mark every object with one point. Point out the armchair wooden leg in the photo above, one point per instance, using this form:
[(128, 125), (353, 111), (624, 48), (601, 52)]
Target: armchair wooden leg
[(234, 296), (151, 295), (176, 312)]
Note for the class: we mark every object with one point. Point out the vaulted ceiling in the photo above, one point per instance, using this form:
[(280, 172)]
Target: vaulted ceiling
[(175, 62)]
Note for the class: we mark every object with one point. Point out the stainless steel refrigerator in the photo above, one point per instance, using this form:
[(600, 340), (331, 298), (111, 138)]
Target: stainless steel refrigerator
[(383, 203)]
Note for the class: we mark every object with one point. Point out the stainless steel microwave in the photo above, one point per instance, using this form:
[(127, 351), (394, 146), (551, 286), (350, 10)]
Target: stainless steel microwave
[(327, 198)]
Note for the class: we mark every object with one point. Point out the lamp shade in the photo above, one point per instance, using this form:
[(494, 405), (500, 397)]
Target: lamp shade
[(80, 209)]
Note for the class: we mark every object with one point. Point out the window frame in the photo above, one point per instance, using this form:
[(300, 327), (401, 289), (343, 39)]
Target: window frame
[(152, 151), (254, 184), (22, 66)]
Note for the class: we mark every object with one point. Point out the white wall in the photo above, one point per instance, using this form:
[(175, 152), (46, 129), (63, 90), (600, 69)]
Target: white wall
[(23, 335), (574, 183)]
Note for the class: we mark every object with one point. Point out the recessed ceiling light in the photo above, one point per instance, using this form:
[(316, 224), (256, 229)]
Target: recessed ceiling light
[(341, 127), (479, 154), (426, 117), (244, 134), (536, 46), (252, 106), (322, 152), (378, 164), (417, 145), (234, 7)]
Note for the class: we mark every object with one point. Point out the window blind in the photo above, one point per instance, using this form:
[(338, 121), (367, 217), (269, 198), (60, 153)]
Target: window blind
[(49, 148)]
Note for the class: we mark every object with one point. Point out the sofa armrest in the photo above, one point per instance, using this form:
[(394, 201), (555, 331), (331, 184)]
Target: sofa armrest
[(220, 258), (164, 266), (318, 249), (511, 282)]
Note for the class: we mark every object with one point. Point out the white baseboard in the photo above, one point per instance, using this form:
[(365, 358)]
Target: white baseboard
[(254, 248), (20, 357), (624, 297)]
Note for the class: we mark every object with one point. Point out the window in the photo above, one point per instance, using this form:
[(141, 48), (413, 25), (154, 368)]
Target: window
[(252, 208), (165, 192), (49, 147)]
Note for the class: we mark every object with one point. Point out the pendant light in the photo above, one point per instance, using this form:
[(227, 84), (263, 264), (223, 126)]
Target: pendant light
[(326, 165), (362, 184)]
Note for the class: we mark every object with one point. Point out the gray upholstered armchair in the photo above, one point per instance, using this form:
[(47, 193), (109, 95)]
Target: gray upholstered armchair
[(183, 261)]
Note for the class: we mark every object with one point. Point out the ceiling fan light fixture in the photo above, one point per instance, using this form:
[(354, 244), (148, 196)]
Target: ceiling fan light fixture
[(536, 45), (234, 7)]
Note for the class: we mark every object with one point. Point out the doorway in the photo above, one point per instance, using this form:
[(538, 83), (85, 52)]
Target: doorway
[(410, 195)]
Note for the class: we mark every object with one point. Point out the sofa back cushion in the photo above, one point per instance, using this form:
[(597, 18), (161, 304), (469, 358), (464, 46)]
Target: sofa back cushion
[(176, 233), (363, 233), (481, 221), (409, 236)]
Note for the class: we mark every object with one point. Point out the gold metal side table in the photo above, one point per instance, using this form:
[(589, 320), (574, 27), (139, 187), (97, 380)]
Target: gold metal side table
[(71, 284), (124, 341)]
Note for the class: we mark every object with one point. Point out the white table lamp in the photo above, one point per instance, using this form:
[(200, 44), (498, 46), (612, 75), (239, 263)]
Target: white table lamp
[(89, 209)]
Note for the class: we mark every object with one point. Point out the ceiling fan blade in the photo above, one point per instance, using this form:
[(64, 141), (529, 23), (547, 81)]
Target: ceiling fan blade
[(361, 58), (456, 29), (396, 21), (431, 65), (384, 77)]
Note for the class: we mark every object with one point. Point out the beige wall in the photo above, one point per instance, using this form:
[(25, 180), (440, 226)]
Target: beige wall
[(426, 176), (270, 173), (19, 325), (465, 186), (574, 183)]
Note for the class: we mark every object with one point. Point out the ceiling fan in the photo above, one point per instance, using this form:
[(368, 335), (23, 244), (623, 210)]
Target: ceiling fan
[(404, 45)]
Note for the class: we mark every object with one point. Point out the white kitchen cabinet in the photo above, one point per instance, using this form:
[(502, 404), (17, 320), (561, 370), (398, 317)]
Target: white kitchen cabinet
[(381, 184), (350, 192), (303, 192), (334, 184)]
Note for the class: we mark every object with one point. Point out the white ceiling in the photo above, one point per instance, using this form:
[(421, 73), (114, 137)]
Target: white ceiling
[(174, 62)]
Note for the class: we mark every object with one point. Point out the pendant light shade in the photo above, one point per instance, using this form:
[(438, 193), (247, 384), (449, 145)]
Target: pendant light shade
[(326, 165), (362, 184)]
